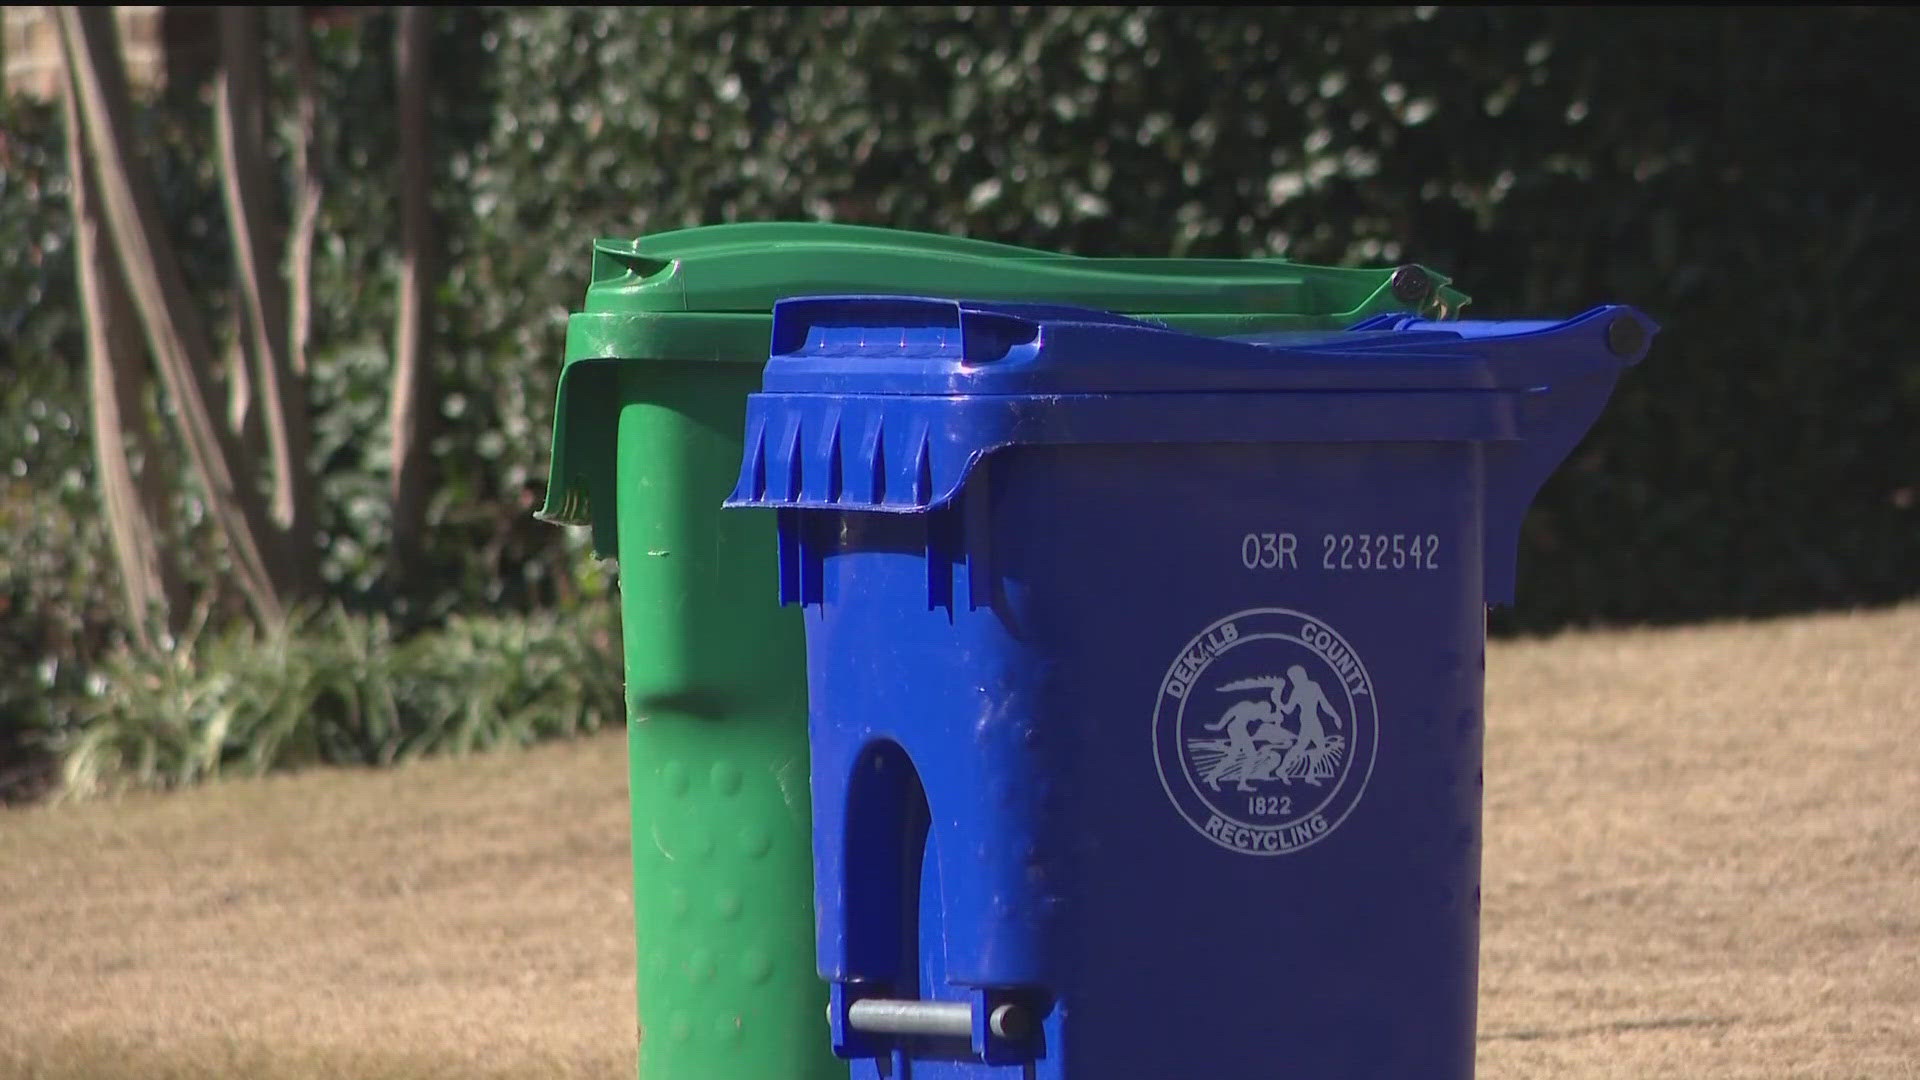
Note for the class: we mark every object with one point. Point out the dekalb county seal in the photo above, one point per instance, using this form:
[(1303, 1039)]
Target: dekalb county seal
[(1264, 731)]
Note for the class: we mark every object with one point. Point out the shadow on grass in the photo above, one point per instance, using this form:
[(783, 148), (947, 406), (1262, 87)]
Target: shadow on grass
[(1511, 623), (1616, 1027), (99, 1057)]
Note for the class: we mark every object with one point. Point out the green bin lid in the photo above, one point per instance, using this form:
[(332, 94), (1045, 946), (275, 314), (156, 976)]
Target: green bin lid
[(707, 294), (743, 269)]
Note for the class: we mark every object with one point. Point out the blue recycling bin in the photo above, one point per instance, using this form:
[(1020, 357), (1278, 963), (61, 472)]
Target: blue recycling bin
[(1145, 675)]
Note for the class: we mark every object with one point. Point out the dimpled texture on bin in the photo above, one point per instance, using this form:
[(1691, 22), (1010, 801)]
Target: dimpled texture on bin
[(646, 443), (1146, 672)]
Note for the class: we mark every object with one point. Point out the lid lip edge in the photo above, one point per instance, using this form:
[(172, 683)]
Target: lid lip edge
[(1192, 282), (1488, 420), (1072, 396)]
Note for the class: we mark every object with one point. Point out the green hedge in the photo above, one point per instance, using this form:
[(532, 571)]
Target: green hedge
[(336, 688), (1740, 174)]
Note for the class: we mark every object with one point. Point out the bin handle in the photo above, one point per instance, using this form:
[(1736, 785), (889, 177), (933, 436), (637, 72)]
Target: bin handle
[(953, 1019)]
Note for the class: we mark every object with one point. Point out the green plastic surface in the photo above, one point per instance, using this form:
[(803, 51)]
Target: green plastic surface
[(647, 439), (716, 743)]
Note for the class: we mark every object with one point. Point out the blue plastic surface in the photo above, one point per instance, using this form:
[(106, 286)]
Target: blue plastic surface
[(1145, 672), (901, 345)]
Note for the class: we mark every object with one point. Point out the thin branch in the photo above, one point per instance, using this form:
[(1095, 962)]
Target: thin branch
[(135, 512), (307, 193), (240, 128), (410, 419), (174, 329)]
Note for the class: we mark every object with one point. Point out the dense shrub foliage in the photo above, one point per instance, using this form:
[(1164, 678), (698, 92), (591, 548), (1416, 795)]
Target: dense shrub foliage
[(1736, 173)]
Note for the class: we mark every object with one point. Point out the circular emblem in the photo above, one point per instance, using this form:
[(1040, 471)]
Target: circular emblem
[(1264, 731)]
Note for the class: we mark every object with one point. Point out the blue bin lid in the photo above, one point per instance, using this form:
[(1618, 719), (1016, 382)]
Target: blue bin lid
[(935, 347), (887, 404)]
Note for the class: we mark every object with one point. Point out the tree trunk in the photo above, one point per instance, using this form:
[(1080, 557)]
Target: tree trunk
[(175, 330), (135, 512), (243, 418), (240, 127), (410, 422), (306, 195)]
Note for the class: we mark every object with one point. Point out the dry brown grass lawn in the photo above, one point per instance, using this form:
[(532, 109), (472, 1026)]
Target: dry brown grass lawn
[(1702, 861), (447, 919)]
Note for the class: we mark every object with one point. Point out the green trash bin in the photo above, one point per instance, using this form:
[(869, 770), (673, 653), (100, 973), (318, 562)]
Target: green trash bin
[(647, 438)]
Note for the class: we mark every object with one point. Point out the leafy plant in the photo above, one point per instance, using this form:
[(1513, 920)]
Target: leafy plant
[(480, 682), (333, 687)]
